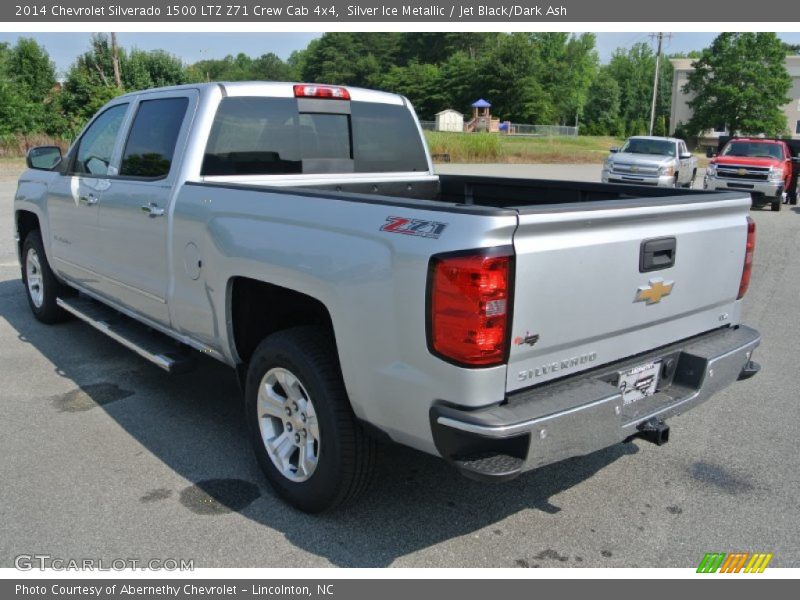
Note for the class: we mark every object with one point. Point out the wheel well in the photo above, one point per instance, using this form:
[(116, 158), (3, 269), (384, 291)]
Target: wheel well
[(26, 222), (259, 309)]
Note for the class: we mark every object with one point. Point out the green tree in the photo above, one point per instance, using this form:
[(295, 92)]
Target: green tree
[(740, 80), (602, 111), (463, 85), (350, 58), (422, 84), (32, 70), (89, 85), (27, 81), (660, 126), (509, 76), (9, 99), (146, 69), (566, 66), (634, 70), (790, 48)]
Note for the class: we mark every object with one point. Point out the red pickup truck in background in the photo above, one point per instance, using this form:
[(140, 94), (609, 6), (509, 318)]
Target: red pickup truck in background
[(767, 167)]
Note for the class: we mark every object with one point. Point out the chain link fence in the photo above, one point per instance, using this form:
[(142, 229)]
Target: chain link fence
[(521, 129)]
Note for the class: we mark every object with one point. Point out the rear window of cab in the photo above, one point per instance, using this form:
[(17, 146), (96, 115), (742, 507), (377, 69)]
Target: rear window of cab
[(272, 136)]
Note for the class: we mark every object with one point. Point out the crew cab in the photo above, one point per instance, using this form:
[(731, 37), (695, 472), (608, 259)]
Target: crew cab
[(764, 167), (299, 234), (651, 160)]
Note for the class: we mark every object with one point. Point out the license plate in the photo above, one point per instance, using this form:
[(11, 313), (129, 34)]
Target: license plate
[(639, 382)]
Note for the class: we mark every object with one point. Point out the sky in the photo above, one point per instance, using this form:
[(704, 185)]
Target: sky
[(191, 47)]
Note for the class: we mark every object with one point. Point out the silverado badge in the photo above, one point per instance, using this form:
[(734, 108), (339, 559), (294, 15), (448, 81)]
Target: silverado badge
[(654, 291)]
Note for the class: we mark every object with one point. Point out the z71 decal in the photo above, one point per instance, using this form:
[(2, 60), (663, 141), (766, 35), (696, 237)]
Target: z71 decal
[(418, 227)]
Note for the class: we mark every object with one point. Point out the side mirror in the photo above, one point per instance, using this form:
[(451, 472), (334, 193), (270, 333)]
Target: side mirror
[(686, 155), (710, 153), (44, 158), (613, 149)]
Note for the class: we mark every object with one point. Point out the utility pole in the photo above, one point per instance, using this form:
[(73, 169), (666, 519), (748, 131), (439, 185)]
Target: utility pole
[(660, 37), (115, 60)]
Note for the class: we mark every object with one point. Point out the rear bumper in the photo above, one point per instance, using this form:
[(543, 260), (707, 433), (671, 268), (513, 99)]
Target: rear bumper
[(581, 414), (769, 189)]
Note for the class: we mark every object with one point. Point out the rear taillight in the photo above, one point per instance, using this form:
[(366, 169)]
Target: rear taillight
[(302, 90), (748, 257), (469, 301)]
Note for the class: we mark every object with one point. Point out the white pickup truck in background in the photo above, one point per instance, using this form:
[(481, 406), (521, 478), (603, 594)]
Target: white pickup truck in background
[(299, 234), (650, 160)]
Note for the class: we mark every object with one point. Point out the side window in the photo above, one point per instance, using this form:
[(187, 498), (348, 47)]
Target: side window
[(97, 143), (682, 149), (151, 142)]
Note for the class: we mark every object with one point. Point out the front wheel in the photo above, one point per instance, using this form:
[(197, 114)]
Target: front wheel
[(776, 204), (41, 284), (306, 438)]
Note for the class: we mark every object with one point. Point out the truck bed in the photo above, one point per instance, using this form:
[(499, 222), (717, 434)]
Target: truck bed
[(480, 192)]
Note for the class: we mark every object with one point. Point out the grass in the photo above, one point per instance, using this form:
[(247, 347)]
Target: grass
[(10, 168), (495, 148)]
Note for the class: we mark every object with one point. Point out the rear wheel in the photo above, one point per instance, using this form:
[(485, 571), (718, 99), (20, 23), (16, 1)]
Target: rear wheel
[(41, 284), (306, 438)]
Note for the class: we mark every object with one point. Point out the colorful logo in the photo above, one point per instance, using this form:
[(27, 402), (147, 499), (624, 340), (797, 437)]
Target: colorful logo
[(736, 562), (418, 227), (654, 291)]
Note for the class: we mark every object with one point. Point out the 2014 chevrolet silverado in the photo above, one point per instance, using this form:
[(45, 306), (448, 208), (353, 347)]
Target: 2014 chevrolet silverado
[(298, 233)]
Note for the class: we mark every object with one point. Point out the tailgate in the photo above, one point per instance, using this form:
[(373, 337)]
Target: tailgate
[(578, 278)]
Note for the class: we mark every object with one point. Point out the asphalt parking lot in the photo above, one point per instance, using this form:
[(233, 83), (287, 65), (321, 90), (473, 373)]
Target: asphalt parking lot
[(103, 455)]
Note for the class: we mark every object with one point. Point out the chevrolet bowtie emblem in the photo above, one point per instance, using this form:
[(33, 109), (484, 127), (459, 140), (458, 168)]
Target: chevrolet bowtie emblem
[(741, 172), (654, 291)]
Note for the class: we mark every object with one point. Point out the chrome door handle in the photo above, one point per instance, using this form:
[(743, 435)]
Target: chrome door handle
[(153, 210), (89, 199)]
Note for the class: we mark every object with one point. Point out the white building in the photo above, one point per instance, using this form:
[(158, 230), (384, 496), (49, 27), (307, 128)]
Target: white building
[(449, 120), (681, 113)]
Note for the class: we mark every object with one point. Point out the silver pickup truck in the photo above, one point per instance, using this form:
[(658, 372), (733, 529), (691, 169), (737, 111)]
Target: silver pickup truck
[(650, 160), (299, 234)]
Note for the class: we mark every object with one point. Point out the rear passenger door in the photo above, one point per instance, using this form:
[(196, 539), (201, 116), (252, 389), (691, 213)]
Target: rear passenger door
[(134, 212)]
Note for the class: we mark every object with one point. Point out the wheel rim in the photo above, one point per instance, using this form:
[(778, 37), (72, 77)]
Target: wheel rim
[(288, 424), (33, 275)]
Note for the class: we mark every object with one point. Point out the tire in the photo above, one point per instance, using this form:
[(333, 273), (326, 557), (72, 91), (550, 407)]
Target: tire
[(676, 181), (776, 204), (41, 286), (339, 455), (690, 183)]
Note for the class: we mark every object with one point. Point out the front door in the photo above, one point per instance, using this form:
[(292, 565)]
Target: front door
[(133, 217), (74, 196)]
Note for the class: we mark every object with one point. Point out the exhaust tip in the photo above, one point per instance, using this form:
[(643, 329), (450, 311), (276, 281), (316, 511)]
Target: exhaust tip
[(654, 431)]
